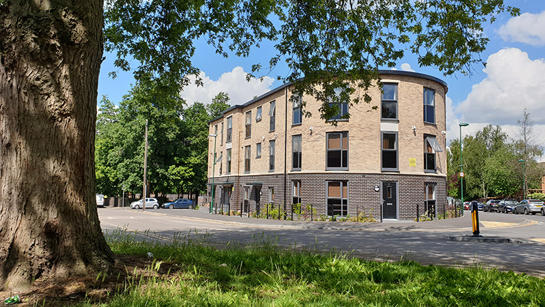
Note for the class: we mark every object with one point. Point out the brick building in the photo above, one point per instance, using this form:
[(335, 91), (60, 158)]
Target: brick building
[(393, 155)]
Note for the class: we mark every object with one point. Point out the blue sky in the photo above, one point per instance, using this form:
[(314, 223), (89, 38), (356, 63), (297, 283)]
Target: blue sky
[(513, 80)]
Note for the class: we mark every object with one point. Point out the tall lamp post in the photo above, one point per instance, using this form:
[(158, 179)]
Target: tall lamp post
[(213, 173), (523, 178), (462, 124)]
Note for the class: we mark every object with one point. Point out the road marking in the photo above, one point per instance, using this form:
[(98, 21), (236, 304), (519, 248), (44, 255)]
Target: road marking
[(490, 224), (539, 240)]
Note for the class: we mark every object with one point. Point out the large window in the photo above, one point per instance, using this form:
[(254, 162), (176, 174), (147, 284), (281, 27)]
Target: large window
[(297, 111), (229, 129), (296, 189), (429, 203), (258, 150), (258, 114), (337, 198), (342, 108), (431, 146), (337, 150), (272, 116), (247, 157), (228, 161), (248, 124), (296, 152), (389, 101), (221, 132), (271, 155), (429, 105), (389, 151)]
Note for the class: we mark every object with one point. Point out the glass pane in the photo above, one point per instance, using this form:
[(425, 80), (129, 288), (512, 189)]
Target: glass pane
[(345, 158), (272, 108), (388, 141), (248, 118), (333, 141), (345, 140), (430, 161), (429, 114), (229, 122), (389, 91), (258, 149), (296, 143), (334, 189), (389, 159), (345, 190), (389, 109), (336, 107), (344, 109), (429, 97), (297, 116), (334, 158)]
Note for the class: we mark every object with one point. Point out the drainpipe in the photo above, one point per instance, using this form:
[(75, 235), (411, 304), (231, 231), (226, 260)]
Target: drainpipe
[(285, 150)]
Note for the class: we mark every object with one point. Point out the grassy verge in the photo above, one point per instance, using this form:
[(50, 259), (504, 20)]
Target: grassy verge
[(189, 274)]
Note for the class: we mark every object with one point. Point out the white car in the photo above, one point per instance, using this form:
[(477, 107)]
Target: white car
[(100, 200), (151, 203)]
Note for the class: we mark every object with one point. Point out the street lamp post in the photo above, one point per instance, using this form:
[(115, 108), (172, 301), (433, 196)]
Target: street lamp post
[(523, 178), (462, 124), (213, 173)]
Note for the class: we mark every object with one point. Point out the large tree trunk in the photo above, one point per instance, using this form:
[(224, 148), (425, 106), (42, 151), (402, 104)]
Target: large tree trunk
[(49, 64)]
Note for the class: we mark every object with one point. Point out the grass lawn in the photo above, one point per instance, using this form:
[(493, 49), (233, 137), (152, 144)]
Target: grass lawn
[(190, 274)]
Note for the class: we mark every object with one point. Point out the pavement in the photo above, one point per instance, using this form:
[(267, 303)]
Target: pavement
[(424, 242)]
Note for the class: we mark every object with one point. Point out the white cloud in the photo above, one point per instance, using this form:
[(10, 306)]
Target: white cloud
[(527, 28), (513, 82), (233, 83), (406, 67)]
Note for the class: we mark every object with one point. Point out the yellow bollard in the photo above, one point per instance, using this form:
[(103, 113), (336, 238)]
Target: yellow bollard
[(475, 219)]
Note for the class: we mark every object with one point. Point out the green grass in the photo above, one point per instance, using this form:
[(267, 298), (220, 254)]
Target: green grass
[(188, 274)]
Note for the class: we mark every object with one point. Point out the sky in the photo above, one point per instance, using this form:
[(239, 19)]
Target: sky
[(514, 77)]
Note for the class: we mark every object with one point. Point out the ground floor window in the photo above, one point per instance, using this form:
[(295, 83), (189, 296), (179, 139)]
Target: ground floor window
[(429, 203), (296, 188), (271, 195), (337, 198)]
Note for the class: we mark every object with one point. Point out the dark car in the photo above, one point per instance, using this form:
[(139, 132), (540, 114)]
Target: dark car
[(507, 205), (491, 205), (479, 205), (180, 203)]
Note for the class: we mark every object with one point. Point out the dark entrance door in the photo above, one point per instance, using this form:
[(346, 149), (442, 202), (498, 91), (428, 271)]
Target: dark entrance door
[(389, 198), (257, 198)]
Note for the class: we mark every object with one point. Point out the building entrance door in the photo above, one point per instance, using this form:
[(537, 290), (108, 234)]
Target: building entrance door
[(389, 199)]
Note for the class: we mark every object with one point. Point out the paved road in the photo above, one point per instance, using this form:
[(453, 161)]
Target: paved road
[(425, 242)]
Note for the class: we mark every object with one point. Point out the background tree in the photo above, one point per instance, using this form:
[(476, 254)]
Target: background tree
[(49, 64)]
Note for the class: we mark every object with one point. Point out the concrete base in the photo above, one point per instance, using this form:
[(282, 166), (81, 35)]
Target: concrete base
[(486, 239)]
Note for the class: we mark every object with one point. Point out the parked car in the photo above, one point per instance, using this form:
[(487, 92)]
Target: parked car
[(100, 200), (151, 203), (491, 205), (528, 206), (180, 203), (466, 205), (476, 203), (507, 205)]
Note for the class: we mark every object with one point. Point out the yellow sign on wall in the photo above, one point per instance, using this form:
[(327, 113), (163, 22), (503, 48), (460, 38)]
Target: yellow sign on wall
[(412, 162)]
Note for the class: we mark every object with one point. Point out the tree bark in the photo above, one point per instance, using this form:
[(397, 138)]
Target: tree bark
[(50, 56)]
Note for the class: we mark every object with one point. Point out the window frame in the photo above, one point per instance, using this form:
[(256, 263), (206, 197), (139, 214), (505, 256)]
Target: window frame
[(247, 158), (396, 101), (296, 191), (342, 183), (427, 105), (426, 153), (259, 114), (228, 154), (341, 168), (248, 124), (339, 116), (300, 152), (221, 138), (272, 155), (229, 137), (386, 169), (297, 105)]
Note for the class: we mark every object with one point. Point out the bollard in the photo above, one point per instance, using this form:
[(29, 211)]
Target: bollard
[(311, 213), (229, 208), (381, 209), (475, 220), (292, 212), (241, 209), (268, 211), (417, 213), (444, 211)]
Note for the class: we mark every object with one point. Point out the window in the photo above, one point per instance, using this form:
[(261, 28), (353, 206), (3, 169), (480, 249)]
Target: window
[(229, 128), (296, 188), (337, 198), (228, 161), (429, 204), (258, 114), (221, 132), (216, 131), (389, 151), (389, 101), (271, 195), (247, 153), (271, 156), (297, 111), (272, 116), (342, 108), (431, 146), (258, 150), (296, 152), (248, 124), (337, 150), (429, 105)]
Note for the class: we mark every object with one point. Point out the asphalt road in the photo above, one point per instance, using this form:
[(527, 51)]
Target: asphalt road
[(425, 242)]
